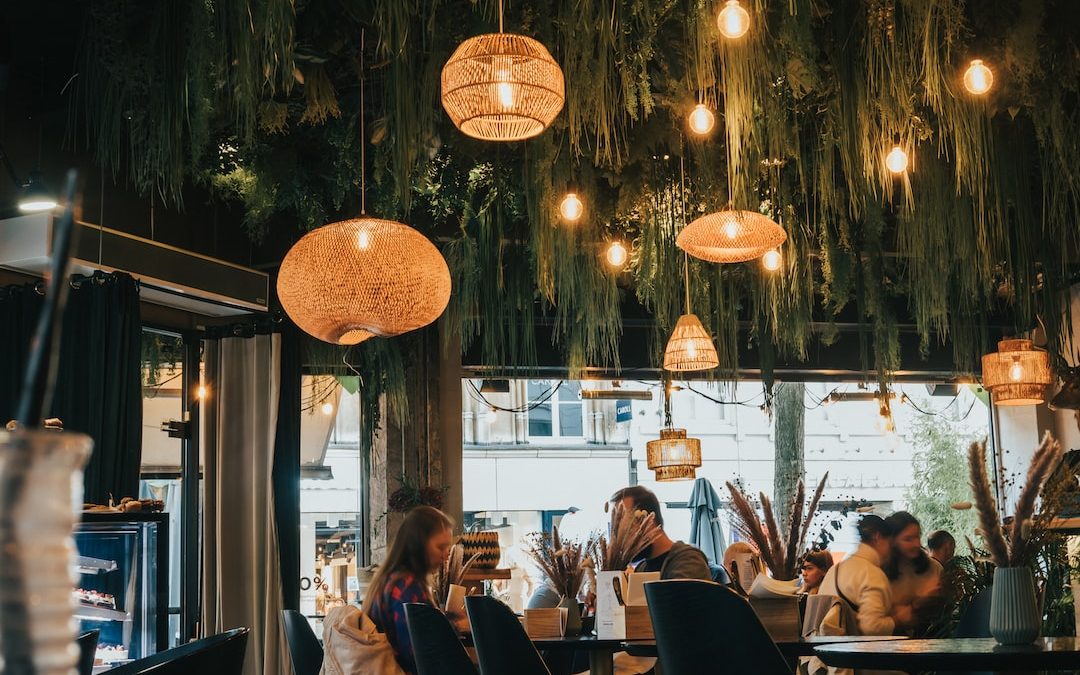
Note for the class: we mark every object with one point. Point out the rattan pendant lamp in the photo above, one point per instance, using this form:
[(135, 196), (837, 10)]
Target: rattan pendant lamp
[(690, 346), (350, 280), (502, 86), (731, 236), (1017, 373), (673, 456)]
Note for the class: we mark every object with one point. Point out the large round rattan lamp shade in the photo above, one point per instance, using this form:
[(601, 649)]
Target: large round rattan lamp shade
[(690, 347), (502, 87), (1017, 373), (673, 456), (350, 280), (731, 236)]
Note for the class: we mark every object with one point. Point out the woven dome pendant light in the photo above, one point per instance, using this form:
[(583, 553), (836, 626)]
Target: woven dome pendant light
[(731, 236), (690, 346), (1017, 373), (347, 281), (502, 86), (673, 456)]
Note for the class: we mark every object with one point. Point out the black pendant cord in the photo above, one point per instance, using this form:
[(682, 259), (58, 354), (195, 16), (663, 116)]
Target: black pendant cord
[(682, 201), (363, 131)]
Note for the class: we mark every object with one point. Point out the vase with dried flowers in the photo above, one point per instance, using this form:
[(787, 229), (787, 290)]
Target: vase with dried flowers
[(780, 549), (631, 533), (1014, 611), (451, 574), (563, 563)]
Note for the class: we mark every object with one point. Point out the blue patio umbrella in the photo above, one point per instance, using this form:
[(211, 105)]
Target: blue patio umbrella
[(705, 532)]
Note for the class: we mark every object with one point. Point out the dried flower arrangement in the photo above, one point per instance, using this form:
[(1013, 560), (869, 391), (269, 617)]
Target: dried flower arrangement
[(453, 571), (780, 551), (561, 561), (632, 531), (1026, 530)]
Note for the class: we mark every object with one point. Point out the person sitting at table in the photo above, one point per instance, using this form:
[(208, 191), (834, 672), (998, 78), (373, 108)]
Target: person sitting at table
[(814, 566), (672, 559), (420, 547), (942, 546), (914, 577)]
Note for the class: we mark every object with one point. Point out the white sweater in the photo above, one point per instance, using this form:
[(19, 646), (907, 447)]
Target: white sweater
[(864, 583)]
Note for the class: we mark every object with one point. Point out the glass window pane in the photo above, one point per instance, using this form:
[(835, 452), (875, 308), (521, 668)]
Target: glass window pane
[(538, 389), (570, 391), (570, 419), (540, 420)]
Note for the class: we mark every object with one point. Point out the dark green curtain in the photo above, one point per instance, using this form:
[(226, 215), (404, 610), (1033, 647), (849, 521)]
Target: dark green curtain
[(286, 473), (99, 381)]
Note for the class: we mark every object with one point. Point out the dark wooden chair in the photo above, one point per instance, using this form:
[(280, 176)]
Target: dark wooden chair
[(221, 654), (703, 628), (87, 651), (436, 646), (502, 647), (304, 649)]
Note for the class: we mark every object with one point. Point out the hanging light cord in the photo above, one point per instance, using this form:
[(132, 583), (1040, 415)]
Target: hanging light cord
[(363, 132), (500, 16), (682, 201)]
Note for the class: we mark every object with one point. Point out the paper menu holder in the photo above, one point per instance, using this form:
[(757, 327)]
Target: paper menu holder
[(621, 608)]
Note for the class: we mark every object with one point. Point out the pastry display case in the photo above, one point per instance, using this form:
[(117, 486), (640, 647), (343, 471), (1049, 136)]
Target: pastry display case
[(122, 588)]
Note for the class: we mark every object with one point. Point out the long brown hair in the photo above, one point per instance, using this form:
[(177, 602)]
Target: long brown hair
[(408, 553)]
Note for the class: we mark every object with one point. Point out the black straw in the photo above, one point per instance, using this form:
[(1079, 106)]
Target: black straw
[(44, 350)]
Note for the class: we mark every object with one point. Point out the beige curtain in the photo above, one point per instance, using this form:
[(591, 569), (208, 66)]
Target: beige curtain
[(241, 578)]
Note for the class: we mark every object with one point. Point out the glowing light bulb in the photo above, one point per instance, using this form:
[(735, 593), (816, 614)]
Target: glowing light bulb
[(731, 228), (363, 240), (1016, 372), (691, 350), (733, 20), (701, 120), (571, 207), (896, 160), (771, 260), (617, 254), (978, 78), (504, 90), (327, 408), (200, 393)]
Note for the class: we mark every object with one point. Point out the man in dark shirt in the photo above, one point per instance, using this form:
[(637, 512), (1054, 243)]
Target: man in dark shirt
[(672, 559)]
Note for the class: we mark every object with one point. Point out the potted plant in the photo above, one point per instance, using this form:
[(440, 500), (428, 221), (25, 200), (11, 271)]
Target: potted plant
[(1014, 610), (563, 563)]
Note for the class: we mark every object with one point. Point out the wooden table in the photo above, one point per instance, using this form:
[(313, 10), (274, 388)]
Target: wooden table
[(601, 652), (792, 650), (966, 654)]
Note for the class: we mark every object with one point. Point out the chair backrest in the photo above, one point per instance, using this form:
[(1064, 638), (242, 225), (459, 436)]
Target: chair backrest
[(703, 627), (502, 646), (87, 651), (436, 646), (304, 648), (221, 654)]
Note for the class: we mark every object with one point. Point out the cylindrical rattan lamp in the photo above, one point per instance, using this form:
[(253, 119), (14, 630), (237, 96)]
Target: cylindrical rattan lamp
[(731, 236), (673, 456), (690, 347), (353, 279), (502, 87), (1017, 373)]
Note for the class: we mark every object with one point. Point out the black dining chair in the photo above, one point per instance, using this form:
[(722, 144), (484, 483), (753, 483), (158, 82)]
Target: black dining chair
[(221, 654), (304, 649), (502, 646), (435, 643), (87, 651), (703, 628)]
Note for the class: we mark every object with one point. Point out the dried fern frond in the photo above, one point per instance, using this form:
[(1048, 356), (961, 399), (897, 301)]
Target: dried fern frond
[(1023, 532), (453, 571), (561, 561), (793, 540), (986, 505), (811, 511), (749, 525), (776, 544)]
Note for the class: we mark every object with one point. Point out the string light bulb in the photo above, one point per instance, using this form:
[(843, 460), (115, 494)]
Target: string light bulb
[(733, 20), (327, 408), (897, 160), (571, 207), (617, 254), (702, 119), (978, 78), (771, 260), (200, 392)]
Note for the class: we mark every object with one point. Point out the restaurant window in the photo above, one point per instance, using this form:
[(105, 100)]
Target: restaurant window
[(331, 494), (555, 409)]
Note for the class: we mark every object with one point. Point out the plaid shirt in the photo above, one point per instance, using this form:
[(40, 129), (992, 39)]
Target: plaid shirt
[(388, 614)]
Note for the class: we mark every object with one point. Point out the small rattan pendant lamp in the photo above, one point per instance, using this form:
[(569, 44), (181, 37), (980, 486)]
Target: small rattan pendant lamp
[(690, 346), (502, 86), (1017, 373), (350, 280), (673, 456)]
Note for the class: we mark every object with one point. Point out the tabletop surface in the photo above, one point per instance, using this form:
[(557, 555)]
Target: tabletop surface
[(969, 652), (802, 647), (582, 642)]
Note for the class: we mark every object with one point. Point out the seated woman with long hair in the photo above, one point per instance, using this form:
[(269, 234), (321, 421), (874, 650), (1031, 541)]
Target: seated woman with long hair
[(914, 577), (421, 546)]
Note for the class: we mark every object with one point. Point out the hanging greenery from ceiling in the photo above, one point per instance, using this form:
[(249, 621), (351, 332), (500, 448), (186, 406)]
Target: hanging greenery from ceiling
[(263, 106)]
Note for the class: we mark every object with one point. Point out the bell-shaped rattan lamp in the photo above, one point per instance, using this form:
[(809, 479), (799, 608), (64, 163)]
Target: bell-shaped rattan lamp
[(1017, 373), (502, 86), (690, 346), (673, 456), (353, 279), (731, 236)]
